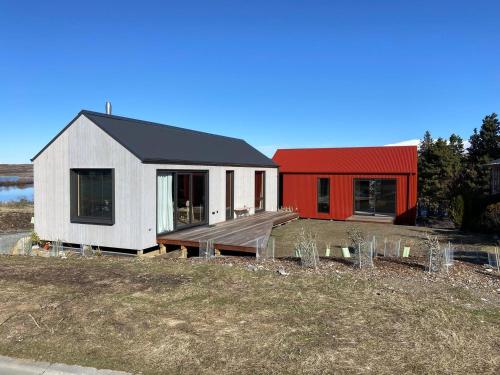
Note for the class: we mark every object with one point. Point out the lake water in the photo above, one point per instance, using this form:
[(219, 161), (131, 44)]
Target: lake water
[(9, 178), (16, 193)]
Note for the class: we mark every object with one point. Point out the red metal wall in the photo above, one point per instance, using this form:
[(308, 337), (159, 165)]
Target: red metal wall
[(300, 192)]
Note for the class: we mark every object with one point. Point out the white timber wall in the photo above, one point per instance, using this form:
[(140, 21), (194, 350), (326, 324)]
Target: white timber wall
[(244, 188), (85, 145)]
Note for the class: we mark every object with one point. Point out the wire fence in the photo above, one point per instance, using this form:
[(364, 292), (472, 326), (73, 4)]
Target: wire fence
[(206, 249), (9, 241), (264, 248), (494, 259)]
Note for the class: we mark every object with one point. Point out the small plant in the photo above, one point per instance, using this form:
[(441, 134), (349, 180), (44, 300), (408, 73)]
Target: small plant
[(435, 254), (355, 236), (86, 250), (363, 249), (97, 252), (35, 239), (306, 249)]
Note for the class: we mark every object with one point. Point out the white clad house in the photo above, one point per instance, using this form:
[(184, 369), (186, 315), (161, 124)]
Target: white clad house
[(117, 182)]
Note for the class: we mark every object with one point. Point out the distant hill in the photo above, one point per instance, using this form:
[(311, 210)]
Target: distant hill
[(23, 171)]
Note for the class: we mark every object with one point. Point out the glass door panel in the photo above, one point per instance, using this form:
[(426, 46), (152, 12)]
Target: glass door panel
[(183, 200), (198, 189), (165, 203), (259, 190), (229, 195), (375, 196), (385, 202), (362, 196)]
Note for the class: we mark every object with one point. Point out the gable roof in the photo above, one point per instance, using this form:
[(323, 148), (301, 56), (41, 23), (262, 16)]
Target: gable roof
[(164, 144), (348, 160)]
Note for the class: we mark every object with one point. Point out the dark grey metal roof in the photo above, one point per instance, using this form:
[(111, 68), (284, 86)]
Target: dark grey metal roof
[(494, 162), (156, 143)]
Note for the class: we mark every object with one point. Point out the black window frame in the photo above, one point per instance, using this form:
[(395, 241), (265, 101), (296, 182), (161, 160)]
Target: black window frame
[(74, 217), (317, 195), (359, 212)]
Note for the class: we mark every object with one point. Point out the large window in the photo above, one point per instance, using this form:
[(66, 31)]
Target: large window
[(92, 196), (260, 186), (377, 196), (324, 195)]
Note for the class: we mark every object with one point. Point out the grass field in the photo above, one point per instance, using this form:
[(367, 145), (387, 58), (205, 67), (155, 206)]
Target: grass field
[(159, 315), (16, 216), (334, 233)]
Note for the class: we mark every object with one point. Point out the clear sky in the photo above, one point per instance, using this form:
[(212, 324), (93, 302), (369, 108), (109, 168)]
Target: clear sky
[(276, 73)]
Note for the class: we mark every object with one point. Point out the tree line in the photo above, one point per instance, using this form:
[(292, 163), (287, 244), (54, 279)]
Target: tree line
[(455, 182)]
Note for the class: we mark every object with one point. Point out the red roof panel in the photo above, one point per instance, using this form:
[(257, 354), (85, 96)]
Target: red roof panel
[(383, 159)]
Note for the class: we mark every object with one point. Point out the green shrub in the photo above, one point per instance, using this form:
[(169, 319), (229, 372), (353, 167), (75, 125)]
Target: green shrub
[(35, 238), (490, 219), (457, 208)]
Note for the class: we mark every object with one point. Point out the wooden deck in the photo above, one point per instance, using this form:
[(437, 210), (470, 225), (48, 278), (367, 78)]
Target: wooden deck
[(235, 235)]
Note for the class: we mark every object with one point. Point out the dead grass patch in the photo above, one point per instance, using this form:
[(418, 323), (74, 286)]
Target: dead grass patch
[(160, 316)]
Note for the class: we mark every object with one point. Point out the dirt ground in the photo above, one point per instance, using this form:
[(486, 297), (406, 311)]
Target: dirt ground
[(159, 315), (15, 216), (334, 234)]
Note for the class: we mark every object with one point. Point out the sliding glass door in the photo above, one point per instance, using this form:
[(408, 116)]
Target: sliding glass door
[(198, 198), (183, 205), (375, 196), (229, 195), (164, 203), (260, 188), (181, 200)]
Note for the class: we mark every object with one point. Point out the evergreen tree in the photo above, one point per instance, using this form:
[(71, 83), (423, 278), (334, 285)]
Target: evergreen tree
[(484, 147), (439, 170)]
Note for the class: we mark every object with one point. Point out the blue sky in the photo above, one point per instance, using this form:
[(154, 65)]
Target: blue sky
[(276, 73)]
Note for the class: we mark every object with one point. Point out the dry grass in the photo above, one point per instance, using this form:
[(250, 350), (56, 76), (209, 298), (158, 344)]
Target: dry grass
[(172, 316), (334, 233), (20, 170), (16, 216)]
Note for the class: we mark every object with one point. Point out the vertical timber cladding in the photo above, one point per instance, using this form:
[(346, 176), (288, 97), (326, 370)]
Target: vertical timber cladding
[(301, 168), (299, 191)]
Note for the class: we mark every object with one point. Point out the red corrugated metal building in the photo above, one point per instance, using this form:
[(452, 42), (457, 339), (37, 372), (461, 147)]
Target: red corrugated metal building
[(350, 183)]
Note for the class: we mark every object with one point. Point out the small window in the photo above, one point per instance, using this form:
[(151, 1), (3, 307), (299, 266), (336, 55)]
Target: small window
[(92, 196), (324, 195)]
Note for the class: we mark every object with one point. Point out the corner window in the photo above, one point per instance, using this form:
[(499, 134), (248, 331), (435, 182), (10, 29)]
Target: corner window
[(92, 196), (324, 195)]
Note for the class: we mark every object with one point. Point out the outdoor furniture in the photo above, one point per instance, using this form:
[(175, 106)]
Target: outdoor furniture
[(240, 212)]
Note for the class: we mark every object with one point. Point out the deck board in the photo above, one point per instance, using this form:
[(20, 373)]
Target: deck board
[(236, 235)]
